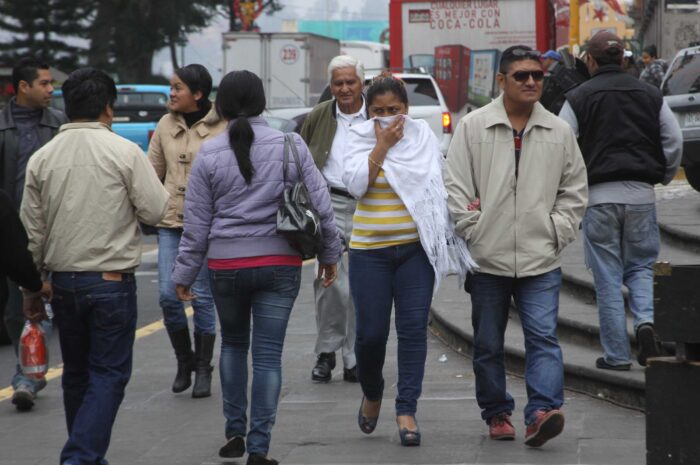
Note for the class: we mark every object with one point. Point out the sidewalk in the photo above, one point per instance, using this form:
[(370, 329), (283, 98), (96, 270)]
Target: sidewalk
[(316, 424)]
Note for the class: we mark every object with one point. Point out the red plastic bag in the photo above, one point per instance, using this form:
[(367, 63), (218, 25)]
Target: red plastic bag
[(33, 355)]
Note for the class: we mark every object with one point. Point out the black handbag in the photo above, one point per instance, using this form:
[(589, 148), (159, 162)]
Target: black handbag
[(297, 219)]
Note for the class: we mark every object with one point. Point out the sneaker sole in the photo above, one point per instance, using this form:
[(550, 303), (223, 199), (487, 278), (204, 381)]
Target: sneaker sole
[(549, 428), (23, 401), (647, 344), (503, 437)]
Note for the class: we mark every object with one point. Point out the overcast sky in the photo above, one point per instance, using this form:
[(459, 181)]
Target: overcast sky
[(205, 47)]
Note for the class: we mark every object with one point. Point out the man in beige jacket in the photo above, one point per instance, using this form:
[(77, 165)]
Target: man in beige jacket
[(517, 190), (85, 192)]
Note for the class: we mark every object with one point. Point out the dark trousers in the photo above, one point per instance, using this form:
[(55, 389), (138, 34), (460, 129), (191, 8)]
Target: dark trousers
[(402, 276), (96, 321)]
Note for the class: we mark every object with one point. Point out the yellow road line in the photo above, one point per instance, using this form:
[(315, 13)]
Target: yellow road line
[(55, 372)]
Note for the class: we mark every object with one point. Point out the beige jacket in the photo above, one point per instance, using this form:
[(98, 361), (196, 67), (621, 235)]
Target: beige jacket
[(85, 192), (172, 151), (524, 223)]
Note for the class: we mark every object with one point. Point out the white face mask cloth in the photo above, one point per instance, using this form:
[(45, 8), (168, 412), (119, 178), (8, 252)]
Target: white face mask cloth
[(385, 121)]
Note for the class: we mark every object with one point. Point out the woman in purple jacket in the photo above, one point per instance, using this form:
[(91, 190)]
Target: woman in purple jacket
[(231, 204)]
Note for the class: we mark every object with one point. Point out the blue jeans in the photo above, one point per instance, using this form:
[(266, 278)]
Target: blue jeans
[(621, 245), (268, 294), (96, 322), (402, 276), (537, 302), (174, 310)]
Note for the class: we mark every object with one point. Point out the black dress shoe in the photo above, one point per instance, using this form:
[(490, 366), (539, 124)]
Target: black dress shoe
[(235, 447), (257, 459), (350, 375), (324, 366), (648, 345)]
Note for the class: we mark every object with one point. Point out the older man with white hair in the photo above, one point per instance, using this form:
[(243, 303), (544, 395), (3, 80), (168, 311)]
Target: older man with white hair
[(326, 132)]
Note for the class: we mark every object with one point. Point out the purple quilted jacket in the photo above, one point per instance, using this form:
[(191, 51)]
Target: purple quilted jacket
[(227, 218)]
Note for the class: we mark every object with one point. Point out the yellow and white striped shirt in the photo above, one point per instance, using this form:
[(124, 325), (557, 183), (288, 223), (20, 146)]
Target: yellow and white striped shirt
[(381, 219)]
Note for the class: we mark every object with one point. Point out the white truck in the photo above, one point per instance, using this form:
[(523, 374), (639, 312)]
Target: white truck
[(373, 55), (292, 66)]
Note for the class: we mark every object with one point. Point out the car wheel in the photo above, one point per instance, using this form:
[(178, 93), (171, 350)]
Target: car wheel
[(692, 174)]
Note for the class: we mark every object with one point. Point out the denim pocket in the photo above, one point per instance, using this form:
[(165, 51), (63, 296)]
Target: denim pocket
[(112, 310), (639, 222), (223, 283), (287, 280), (600, 224)]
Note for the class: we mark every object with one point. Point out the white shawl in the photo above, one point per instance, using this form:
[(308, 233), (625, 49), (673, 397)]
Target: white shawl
[(413, 168)]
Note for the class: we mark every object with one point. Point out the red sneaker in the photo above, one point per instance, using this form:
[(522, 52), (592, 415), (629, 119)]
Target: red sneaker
[(500, 427), (545, 427)]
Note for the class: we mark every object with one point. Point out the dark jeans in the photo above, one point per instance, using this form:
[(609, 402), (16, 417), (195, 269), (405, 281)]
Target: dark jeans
[(402, 276), (267, 294), (96, 322), (537, 301)]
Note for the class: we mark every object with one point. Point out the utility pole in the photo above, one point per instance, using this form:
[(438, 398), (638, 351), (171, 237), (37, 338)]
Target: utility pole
[(574, 24)]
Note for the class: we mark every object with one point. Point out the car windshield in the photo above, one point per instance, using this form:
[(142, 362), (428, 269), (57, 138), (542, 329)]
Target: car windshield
[(684, 77), (141, 98), (124, 99)]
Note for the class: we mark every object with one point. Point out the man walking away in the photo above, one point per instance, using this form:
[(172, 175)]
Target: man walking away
[(326, 131), (86, 191), (26, 123), (516, 187), (630, 141)]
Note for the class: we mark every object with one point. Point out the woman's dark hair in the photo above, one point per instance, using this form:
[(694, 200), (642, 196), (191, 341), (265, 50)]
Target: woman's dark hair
[(651, 51), (197, 78), (385, 82), (87, 92), (241, 96)]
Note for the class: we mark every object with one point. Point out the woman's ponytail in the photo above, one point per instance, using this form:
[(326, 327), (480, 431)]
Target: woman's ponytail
[(241, 96), (240, 137)]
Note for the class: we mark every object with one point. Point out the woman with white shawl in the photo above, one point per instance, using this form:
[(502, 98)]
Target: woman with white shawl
[(402, 244)]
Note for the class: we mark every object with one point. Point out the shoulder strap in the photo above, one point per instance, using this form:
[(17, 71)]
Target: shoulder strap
[(285, 160), (290, 140)]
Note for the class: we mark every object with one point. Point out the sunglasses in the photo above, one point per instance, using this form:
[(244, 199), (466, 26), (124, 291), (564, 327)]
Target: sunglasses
[(523, 76)]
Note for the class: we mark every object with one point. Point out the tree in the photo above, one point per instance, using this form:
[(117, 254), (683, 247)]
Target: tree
[(125, 34), (39, 28)]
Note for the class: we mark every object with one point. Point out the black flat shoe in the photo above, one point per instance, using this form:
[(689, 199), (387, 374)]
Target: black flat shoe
[(258, 459), (367, 424), (603, 365), (410, 437), (235, 447)]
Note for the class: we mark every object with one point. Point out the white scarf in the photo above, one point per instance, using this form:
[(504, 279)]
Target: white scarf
[(413, 168)]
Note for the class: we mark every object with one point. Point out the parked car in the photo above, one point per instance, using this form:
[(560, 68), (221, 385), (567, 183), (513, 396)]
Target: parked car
[(137, 110), (681, 89), (425, 101)]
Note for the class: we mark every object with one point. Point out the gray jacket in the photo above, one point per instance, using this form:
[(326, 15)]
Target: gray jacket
[(227, 218), (51, 120)]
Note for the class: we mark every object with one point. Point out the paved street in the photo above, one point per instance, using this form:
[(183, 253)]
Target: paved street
[(316, 424)]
